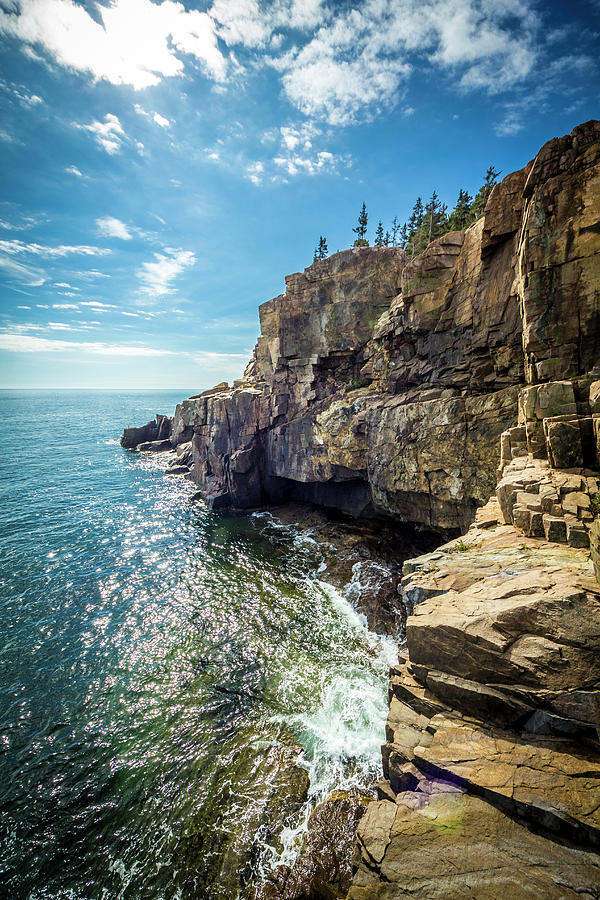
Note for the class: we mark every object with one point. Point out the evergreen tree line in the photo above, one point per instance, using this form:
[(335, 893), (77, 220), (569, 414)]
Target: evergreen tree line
[(427, 221)]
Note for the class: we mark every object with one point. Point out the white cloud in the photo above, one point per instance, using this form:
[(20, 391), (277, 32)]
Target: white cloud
[(97, 305), (7, 137), (297, 155), (108, 134), (133, 42), (29, 275), (21, 93), (73, 170), (65, 306), (356, 58), (24, 224), (111, 227), (155, 116), (14, 342), (254, 172), (93, 273), (252, 23), (156, 277), (15, 247)]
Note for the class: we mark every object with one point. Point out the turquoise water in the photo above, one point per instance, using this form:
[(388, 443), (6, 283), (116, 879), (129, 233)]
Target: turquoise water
[(152, 653)]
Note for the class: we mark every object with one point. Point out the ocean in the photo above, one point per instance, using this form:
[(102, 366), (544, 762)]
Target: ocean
[(163, 668)]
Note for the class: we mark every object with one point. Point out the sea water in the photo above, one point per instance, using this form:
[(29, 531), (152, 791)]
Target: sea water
[(152, 653)]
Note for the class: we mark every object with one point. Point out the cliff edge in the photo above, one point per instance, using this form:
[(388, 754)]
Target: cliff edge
[(380, 385)]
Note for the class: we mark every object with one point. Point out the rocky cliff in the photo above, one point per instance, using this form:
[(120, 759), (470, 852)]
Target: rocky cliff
[(381, 385)]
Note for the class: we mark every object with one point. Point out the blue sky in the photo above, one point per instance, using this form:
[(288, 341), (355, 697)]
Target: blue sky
[(165, 165)]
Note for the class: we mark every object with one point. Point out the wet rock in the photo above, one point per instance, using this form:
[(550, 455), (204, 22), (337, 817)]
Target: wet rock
[(322, 870), (177, 470), (363, 560), (221, 858)]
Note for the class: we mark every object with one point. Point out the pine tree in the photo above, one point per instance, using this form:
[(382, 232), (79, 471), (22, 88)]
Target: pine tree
[(404, 236), (482, 195), (379, 235), (395, 231), (323, 250), (387, 239), (361, 230), (416, 216), (461, 216)]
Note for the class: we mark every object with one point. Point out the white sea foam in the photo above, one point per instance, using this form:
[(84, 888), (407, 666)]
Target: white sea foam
[(342, 737)]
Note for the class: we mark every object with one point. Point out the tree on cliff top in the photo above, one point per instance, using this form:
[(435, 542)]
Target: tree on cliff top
[(379, 235), (322, 251), (483, 194), (361, 230), (461, 216)]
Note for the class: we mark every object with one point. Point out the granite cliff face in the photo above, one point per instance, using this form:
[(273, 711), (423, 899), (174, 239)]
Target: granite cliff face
[(381, 385)]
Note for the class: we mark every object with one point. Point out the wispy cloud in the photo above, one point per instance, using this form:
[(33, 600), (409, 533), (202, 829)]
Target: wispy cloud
[(155, 116), (29, 275), (111, 227), (97, 305), (23, 343), (73, 170), (16, 247), (108, 134), (21, 222), (156, 277), (20, 93)]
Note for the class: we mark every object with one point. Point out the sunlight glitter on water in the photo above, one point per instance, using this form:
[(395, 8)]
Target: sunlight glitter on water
[(156, 656)]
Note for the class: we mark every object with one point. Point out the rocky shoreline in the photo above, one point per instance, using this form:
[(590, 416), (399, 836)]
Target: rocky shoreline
[(413, 391)]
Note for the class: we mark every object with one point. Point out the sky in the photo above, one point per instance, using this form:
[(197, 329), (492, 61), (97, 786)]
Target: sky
[(164, 165)]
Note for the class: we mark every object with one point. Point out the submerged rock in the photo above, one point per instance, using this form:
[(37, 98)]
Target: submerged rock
[(322, 870), (220, 857)]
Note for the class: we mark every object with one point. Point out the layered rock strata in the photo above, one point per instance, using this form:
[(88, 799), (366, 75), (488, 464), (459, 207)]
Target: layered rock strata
[(380, 385), (492, 762)]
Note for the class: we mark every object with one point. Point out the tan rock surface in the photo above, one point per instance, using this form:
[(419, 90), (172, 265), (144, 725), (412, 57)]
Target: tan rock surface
[(451, 845)]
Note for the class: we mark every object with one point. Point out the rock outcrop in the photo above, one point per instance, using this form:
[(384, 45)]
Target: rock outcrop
[(153, 431), (492, 762), (380, 385)]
